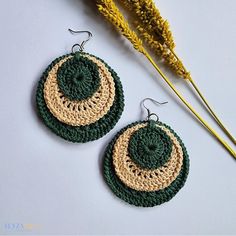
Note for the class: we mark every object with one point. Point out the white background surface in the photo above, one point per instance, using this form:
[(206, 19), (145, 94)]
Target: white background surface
[(58, 185)]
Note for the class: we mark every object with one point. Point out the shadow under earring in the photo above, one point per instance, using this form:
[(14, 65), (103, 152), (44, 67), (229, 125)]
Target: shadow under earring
[(79, 97), (146, 163)]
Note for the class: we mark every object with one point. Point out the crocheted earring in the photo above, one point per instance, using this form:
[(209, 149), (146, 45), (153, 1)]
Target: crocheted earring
[(146, 163), (79, 97)]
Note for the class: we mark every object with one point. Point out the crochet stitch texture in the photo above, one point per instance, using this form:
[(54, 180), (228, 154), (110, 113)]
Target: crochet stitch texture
[(142, 185), (79, 97), (78, 78)]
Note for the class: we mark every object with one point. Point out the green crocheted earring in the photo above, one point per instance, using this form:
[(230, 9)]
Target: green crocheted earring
[(146, 163), (79, 97)]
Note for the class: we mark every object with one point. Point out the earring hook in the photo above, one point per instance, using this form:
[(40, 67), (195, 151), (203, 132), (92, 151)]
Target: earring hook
[(150, 114), (81, 46)]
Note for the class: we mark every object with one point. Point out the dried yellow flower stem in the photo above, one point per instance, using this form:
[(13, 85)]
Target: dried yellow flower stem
[(193, 83), (163, 52), (154, 30), (211, 130), (110, 11)]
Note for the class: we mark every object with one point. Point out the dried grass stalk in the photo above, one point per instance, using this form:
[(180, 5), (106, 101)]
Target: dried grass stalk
[(156, 33), (112, 13)]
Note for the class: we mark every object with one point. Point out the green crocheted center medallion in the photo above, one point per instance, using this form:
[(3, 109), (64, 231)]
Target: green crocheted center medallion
[(80, 120), (150, 147), (145, 198), (78, 78)]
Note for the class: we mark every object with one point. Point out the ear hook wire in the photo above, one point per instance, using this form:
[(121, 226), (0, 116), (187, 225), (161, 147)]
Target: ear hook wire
[(150, 114), (81, 46)]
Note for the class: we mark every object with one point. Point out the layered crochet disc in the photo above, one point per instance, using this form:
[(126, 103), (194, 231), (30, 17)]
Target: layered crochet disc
[(146, 164), (79, 97)]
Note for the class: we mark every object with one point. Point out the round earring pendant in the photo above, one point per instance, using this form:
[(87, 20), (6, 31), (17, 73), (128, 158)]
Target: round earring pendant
[(79, 97), (146, 164)]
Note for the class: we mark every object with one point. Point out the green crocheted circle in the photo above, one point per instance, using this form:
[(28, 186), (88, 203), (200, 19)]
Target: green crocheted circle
[(142, 198), (80, 134), (150, 147), (78, 78)]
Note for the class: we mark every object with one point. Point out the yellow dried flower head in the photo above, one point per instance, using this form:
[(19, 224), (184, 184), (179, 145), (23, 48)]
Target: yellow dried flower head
[(110, 11), (155, 31)]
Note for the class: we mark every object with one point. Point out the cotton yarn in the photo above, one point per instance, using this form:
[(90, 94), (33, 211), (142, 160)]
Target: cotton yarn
[(79, 97), (146, 163)]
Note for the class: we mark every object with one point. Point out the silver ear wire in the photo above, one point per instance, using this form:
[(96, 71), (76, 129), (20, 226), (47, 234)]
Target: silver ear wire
[(149, 113), (80, 46)]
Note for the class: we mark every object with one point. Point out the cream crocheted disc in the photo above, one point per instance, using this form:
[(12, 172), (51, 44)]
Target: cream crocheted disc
[(83, 112), (135, 177)]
